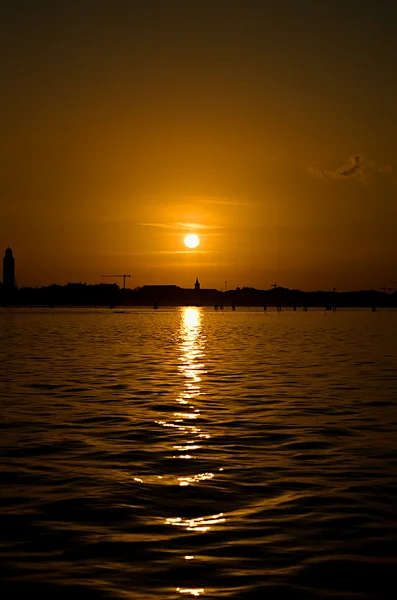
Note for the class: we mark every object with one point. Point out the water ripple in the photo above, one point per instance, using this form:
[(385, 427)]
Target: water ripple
[(188, 453)]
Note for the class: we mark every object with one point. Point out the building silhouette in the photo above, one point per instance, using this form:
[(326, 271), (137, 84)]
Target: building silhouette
[(173, 295), (8, 269), (202, 296)]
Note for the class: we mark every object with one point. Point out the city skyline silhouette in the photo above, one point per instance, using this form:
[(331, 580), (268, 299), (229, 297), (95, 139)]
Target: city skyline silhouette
[(9, 282), (112, 295)]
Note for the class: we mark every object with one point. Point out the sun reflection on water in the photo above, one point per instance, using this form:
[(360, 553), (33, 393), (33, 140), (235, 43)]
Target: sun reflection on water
[(191, 591), (187, 437), (198, 524), (192, 367)]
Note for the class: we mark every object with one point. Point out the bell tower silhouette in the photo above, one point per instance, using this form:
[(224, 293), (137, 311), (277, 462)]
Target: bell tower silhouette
[(9, 269)]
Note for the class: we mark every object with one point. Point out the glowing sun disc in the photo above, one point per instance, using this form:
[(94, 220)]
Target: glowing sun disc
[(192, 240)]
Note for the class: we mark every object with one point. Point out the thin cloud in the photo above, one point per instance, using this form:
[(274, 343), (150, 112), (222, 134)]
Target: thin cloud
[(385, 169), (183, 226), (191, 265), (207, 198), (204, 234), (356, 168), (161, 225), (352, 168), (197, 198)]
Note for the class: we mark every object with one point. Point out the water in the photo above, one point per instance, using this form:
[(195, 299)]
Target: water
[(186, 453)]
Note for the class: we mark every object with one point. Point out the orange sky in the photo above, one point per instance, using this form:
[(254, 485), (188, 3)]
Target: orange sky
[(267, 128)]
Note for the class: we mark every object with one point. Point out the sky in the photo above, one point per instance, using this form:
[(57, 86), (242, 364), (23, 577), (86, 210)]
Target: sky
[(266, 127)]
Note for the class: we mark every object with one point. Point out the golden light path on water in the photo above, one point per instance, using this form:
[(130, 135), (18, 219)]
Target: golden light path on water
[(184, 421)]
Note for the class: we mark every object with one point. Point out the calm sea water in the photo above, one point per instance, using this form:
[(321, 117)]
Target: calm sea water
[(186, 453)]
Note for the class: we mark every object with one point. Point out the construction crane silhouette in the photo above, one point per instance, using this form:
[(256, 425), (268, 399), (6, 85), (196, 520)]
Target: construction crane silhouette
[(123, 276)]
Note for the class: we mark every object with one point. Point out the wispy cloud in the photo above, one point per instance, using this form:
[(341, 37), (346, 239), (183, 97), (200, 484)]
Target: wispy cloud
[(203, 197), (356, 167), (179, 226), (190, 265), (207, 198)]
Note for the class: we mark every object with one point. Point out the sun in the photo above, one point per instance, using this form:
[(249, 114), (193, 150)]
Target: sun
[(192, 240)]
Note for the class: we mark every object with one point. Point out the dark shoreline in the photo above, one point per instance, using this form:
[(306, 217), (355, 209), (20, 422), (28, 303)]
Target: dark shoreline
[(102, 295), (221, 307)]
